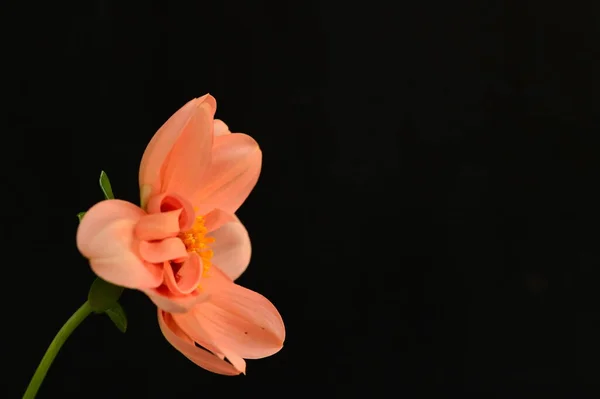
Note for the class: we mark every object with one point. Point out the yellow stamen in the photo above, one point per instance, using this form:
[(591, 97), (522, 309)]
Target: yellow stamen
[(197, 241)]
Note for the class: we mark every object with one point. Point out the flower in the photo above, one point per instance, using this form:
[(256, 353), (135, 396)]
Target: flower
[(184, 246)]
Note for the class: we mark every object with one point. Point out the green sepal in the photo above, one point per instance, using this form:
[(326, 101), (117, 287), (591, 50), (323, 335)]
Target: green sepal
[(118, 316), (105, 186), (103, 295)]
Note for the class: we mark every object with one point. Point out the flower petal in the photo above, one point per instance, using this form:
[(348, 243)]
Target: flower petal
[(184, 344), (190, 157), (217, 218), (231, 249), (184, 278), (220, 128), (106, 237), (190, 326), (115, 260), (188, 323), (173, 303), (162, 143), (159, 148), (158, 226), (163, 250), (99, 216), (233, 173), (239, 320), (128, 271)]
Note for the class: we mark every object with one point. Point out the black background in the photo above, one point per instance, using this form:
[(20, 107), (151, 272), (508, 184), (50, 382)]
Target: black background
[(426, 218)]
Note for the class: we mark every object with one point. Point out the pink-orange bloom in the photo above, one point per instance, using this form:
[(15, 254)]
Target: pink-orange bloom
[(184, 246)]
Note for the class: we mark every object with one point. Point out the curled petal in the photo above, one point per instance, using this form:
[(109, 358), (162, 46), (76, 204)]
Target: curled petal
[(168, 202), (106, 237), (186, 346), (163, 251), (184, 278), (232, 249), (233, 173), (158, 226)]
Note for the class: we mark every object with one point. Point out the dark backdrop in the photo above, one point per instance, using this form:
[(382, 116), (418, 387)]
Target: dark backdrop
[(426, 219)]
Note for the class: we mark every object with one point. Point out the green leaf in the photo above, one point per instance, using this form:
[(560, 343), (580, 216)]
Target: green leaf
[(80, 216), (118, 316), (105, 186), (103, 295)]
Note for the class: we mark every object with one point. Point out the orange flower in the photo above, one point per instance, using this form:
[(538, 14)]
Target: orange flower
[(185, 246)]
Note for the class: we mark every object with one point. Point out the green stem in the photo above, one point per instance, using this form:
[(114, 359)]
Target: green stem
[(54, 347)]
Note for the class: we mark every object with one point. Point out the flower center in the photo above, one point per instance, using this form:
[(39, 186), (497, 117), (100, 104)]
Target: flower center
[(195, 240)]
